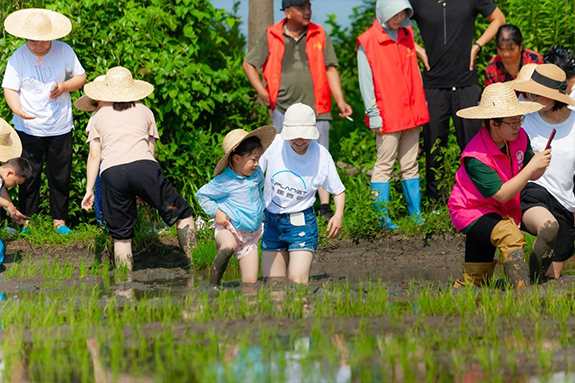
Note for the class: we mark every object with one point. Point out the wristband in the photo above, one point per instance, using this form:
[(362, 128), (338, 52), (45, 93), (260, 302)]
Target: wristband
[(479, 45)]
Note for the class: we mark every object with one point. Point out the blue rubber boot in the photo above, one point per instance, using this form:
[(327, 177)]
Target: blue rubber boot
[(380, 191), (1, 252), (412, 194)]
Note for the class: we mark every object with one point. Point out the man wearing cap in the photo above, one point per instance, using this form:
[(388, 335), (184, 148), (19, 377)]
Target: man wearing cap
[(37, 83), (299, 65), (450, 80)]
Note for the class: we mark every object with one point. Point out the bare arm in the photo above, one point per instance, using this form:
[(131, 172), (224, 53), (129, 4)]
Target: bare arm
[(256, 82), (92, 168), (7, 204), (533, 170), (13, 101), (496, 19), (336, 222), (70, 85), (335, 87), (422, 55)]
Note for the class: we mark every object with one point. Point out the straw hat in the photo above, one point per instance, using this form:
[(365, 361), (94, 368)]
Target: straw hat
[(548, 80), (299, 122), (10, 144), (85, 103), (233, 139), (37, 24), (118, 86), (498, 101), (524, 74)]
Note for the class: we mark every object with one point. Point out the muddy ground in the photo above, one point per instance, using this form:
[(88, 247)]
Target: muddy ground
[(160, 265)]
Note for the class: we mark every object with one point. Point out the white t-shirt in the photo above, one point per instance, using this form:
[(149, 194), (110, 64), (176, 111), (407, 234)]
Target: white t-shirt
[(292, 179), (32, 77), (558, 178)]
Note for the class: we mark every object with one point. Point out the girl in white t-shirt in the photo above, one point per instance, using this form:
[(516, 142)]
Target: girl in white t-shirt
[(296, 166), (548, 204)]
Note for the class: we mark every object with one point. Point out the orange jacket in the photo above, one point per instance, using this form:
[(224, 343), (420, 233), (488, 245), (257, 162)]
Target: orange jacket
[(397, 82), (315, 41)]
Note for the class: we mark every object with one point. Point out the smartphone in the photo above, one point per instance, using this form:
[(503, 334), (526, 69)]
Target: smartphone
[(550, 139)]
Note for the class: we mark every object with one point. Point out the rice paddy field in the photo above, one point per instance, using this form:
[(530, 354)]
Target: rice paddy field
[(379, 311)]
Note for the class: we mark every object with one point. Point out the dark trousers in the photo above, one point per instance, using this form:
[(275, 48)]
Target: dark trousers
[(442, 105), (478, 246), (57, 152), (120, 186)]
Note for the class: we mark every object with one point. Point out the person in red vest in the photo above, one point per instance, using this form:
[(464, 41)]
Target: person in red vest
[(299, 65), (394, 99)]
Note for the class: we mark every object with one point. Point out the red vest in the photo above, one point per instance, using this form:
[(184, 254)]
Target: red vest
[(466, 204), (315, 42), (397, 82)]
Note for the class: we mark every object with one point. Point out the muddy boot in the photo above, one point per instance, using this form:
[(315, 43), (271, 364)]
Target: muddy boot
[(507, 237), (187, 240), (542, 252), (219, 266), (515, 269), (476, 274)]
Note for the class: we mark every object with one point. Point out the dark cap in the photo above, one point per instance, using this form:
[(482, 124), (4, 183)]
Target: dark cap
[(289, 3)]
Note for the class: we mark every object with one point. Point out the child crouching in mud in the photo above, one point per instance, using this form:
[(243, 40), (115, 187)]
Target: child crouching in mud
[(234, 198), (13, 171), (484, 204)]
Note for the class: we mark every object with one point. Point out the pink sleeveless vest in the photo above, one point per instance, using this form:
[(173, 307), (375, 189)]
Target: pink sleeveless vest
[(466, 204)]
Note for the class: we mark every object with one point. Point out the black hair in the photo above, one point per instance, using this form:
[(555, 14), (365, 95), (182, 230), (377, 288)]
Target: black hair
[(508, 34), (121, 106), (496, 122), (20, 165), (247, 146), (562, 57), (558, 105)]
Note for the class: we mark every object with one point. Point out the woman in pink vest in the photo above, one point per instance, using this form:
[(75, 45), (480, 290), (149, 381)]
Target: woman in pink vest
[(394, 99), (495, 166)]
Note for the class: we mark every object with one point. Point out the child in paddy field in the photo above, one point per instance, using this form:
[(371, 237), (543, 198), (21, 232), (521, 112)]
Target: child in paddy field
[(484, 203), (295, 168), (394, 99), (234, 198), (86, 104), (13, 171)]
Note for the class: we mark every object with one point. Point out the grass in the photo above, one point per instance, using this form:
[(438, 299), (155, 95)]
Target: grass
[(431, 333)]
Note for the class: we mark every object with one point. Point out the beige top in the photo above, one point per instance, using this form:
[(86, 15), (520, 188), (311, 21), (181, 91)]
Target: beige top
[(124, 136)]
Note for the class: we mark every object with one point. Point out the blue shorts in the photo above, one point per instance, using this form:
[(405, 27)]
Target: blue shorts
[(281, 235)]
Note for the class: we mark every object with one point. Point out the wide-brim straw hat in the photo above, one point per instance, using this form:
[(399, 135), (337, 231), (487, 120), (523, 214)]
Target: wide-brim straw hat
[(548, 80), (87, 104), (524, 74), (118, 86), (498, 101), (233, 139), (10, 144), (37, 24)]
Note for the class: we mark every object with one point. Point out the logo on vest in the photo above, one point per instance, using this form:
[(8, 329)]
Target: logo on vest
[(519, 155), (318, 46)]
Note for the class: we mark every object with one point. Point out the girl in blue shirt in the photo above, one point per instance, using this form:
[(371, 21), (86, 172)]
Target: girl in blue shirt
[(234, 198)]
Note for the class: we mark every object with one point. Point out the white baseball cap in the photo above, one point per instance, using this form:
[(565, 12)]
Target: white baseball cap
[(299, 122)]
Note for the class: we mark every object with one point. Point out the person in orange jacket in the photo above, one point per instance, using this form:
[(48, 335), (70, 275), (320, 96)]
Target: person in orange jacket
[(394, 100), (298, 64)]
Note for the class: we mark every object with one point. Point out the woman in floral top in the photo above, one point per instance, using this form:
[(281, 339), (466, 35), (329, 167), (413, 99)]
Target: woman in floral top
[(511, 56)]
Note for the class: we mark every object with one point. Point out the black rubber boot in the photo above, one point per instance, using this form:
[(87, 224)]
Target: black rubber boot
[(219, 266), (542, 252)]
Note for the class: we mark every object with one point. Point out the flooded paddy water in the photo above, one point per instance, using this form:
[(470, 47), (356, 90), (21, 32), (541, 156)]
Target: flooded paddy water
[(373, 312)]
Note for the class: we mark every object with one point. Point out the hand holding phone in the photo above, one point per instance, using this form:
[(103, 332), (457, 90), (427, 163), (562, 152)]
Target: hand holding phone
[(550, 139)]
